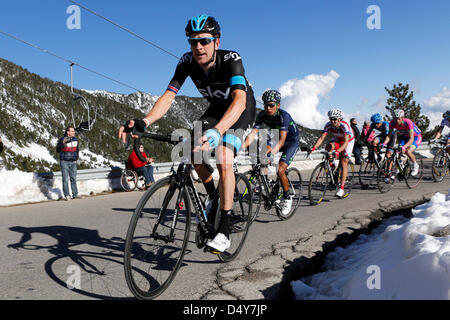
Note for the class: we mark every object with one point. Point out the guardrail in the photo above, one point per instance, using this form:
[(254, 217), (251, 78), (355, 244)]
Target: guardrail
[(164, 167)]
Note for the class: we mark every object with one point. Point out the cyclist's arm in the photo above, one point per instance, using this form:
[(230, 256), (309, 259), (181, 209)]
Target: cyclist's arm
[(234, 111), (160, 108), (438, 133), (320, 140), (249, 139), (280, 143)]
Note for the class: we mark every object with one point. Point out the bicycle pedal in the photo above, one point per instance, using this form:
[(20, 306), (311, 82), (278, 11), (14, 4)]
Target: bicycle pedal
[(211, 250)]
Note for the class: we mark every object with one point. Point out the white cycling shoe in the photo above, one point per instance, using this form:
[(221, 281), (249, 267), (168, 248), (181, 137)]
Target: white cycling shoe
[(340, 193), (286, 205), (415, 170), (220, 243)]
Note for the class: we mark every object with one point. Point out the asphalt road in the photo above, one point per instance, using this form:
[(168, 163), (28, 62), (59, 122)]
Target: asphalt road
[(45, 246)]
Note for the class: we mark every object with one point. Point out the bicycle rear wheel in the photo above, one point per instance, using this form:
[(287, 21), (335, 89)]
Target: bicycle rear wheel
[(441, 166), (154, 255), (128, 180), (318, 184), (295, 190), (240, 220), (385, 179), (413, 181)]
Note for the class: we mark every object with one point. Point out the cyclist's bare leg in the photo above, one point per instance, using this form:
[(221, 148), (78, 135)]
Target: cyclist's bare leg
[(225, 157), (282, 166), (344, 164), (410, 153)]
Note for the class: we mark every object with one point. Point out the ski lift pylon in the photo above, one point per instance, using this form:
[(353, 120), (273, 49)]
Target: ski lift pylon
[(77, 98)]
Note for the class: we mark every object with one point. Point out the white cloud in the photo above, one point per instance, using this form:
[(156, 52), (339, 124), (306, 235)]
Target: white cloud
[(440, 101), (301, 97), (434, 107)]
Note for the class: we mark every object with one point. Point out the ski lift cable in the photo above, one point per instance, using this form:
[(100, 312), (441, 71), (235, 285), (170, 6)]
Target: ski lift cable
[(68, 61), (130, 32), (125, 29)]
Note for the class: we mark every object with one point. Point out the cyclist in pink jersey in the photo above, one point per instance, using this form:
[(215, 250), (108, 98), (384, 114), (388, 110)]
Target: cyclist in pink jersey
[(410, 137), (342, 143)]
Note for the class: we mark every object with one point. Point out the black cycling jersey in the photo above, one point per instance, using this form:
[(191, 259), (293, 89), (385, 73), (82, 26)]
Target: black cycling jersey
[(282, 121), (226, 75)]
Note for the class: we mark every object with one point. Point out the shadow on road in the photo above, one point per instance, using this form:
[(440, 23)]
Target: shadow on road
[(100, 267)]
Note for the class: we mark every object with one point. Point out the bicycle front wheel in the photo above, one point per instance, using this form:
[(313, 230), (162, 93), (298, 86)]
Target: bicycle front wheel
[(410, 180), (240, 220), (295, 190), (156, 239), (385, 178), (441, 166), (318, 184), (255, 181)]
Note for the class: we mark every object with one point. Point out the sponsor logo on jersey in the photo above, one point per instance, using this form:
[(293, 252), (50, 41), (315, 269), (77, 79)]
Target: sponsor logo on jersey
[(214, 94), (232, 55)]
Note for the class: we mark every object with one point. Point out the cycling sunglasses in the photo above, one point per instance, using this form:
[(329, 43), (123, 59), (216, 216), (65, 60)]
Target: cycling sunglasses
[(270, 105), (202, 41), (334, 119)]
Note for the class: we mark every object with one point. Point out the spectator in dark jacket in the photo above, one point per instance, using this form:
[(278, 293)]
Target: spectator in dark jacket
[(358, 141), (1, 145), (141, 167), (68, 150)]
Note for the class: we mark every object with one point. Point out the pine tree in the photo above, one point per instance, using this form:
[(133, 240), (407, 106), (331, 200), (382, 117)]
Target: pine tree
[(402, 98)]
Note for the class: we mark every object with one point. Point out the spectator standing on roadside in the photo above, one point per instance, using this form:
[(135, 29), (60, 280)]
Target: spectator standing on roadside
[(142, 168), (1, 145), (357, 147), (68, 150)]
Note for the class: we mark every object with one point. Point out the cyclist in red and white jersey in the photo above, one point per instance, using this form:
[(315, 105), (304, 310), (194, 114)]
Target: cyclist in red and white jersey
[(342, 143)]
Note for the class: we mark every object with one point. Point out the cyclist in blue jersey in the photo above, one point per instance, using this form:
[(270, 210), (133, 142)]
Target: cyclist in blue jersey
[(379, 125), (288, 143), (220, 77)]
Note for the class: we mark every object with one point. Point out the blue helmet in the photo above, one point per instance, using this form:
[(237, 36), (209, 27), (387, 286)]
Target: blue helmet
[(203, 24), (376, 118), (446, 114)]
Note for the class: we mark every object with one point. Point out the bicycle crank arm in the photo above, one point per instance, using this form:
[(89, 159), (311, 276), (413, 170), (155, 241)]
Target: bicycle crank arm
[(166, 239)]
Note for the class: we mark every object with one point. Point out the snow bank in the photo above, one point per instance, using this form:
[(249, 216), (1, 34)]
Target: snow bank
[(408, 259)]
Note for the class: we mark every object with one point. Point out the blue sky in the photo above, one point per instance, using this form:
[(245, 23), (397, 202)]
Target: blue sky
[(278, 40)]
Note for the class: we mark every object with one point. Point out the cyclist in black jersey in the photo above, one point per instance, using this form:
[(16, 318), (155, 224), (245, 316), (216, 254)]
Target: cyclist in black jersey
[(220, 77), (288, 142)]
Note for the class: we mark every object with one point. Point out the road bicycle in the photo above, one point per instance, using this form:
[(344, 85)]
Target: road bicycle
[(269, 192), (398, 167), (441, 161), (159, 229), (368, 170), (326, 176)]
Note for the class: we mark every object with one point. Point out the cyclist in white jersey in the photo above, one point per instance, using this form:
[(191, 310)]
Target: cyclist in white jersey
[(445, 123), (342, 143)]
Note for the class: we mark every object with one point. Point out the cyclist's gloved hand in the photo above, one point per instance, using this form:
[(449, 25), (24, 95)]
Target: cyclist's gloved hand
[(213, 136), (382, 145), (432, 140), (403, 149), (139, 124), (336, 154)]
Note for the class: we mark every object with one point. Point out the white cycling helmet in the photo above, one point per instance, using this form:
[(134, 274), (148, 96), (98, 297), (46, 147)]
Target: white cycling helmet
[(398, 113), (335, 113)]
